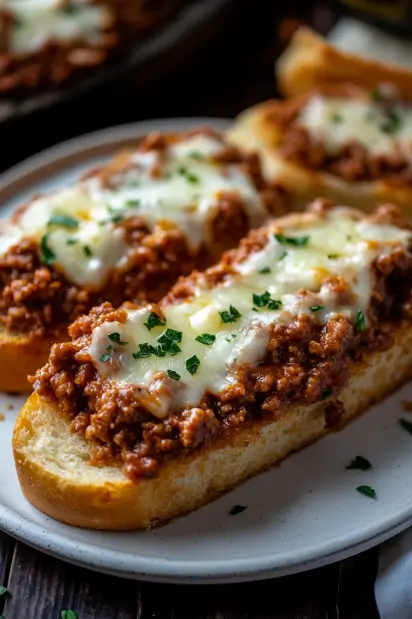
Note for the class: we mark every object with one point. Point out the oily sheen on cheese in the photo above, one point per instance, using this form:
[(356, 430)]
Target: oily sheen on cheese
[(336, 121), (76, 230), (274, 284), (38, 21)]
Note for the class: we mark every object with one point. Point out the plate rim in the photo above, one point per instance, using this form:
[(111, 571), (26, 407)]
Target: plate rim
[(128, 565)]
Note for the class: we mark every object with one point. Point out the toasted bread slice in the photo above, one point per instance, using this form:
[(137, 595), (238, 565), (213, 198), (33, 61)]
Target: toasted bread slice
[(56, 475), (20, 356), (260, 129), (310, 61)]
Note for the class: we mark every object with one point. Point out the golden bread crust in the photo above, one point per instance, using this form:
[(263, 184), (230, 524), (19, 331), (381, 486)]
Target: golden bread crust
[(56, 477)]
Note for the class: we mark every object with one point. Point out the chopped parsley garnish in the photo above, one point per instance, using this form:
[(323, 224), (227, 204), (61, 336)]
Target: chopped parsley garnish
[(348, 237), (87, 251), (392, 122), (360, 321), (145, 350), (194, 154), (282, 255), (333, 256), (237, 509), (63, 220), (326, 393), (232, 337), (167, 341), (69, 9), (230, 315), (115, 219), (406, 425), (261, 300), (154, 321), (170, 334), (264, 271), (105, 357), (68, 614), (359, 463), (297, 241), (337, 118), (71, 241), (377, 95), (316, 308), (3, 590), (109, 347), (274, 304), (191, 178), (132, 203), (47, 255), (192, 364), (173, 374), (115, 337), (206, 338), (367, 491)]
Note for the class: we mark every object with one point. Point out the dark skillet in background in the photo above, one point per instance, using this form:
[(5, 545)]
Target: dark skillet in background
[(213, 58)]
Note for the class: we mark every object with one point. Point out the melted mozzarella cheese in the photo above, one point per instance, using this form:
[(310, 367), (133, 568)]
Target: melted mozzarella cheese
[(295, 278), (336, 121), (183, 195), (40, 21)]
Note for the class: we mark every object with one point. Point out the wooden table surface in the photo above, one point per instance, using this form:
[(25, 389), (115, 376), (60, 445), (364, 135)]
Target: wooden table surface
[(233, 73)]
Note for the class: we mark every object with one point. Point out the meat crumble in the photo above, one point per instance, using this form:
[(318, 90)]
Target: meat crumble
[(37, 299), (305, 362)]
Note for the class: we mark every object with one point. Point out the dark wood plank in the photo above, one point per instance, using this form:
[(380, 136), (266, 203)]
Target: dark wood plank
[(7, 545), (356, 596), (40, 587)]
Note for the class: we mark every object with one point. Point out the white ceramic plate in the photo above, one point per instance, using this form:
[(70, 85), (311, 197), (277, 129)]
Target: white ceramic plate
[(300, 515)]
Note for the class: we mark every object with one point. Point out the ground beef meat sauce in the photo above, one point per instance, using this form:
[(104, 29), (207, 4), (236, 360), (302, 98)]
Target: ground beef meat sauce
[(348, 133), (44, 44), (238, 343), (129, 229)]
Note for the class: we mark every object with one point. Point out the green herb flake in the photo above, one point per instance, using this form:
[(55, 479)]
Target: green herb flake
[(132, 203), (194, 154), (87, 251), (173, 374), (170, 334), (261, 300), (377, 96), (359, 463), (406, 425), (392, 122), (63, 220), (69, 9), (274, 304), (283, 255), (191, 178), (192, 364), (326, 393), (333, 256), (367, 491), (145, 350), (237, 509), (296, 241), (360, 321), (105, 357), (68, 614), (206, 338), (264, 270), (316, 308), (337, 118), (154, 321), (3, 590), (71, 241), (47, 255), (231, 315), (115, 337)]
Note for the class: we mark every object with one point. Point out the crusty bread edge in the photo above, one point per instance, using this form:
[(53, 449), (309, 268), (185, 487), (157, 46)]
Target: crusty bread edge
[(21, 355), (102, 498), (251, 131), (309, 60)]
